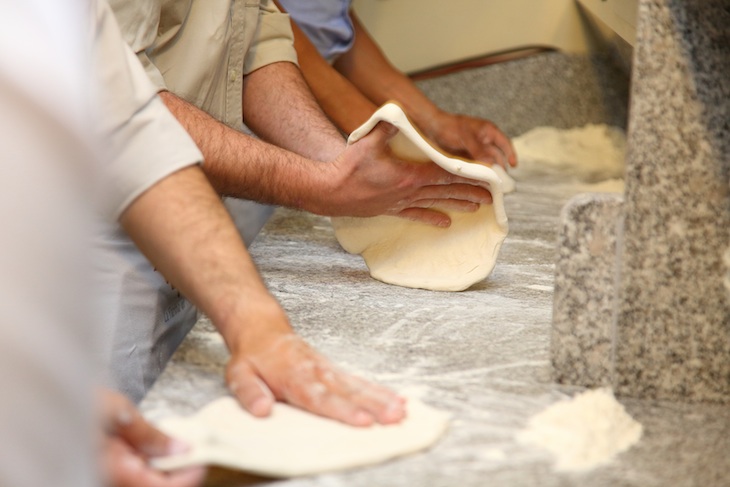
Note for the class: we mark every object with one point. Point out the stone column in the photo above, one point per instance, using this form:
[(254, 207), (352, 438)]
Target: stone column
[(640, 301)]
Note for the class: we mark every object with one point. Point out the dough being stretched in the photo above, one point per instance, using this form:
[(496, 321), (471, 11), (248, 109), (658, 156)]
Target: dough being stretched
[(413, 254), (292, 442)]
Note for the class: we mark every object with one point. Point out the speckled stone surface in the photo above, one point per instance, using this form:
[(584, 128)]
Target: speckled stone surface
[(671, 312), (552, 89), (584, 310), (674, 318), (482, 354)]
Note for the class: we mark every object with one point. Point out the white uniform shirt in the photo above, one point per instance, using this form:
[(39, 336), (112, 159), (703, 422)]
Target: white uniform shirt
[(56, 111)]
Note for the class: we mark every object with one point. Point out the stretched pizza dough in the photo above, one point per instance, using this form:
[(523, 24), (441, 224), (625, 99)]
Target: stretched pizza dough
[(292, 442), (508, 184), (413, 254)]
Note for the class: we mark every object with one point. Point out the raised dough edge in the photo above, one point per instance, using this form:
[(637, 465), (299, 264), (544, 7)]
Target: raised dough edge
[(393, 114), (215, 453)]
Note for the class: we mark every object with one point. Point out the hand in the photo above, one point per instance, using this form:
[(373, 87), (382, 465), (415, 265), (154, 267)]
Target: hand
[(472, 138), (129, 441), (281, 366), (369, 180)]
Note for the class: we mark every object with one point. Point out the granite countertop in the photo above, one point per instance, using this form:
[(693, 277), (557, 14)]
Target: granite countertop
[(482, 354)]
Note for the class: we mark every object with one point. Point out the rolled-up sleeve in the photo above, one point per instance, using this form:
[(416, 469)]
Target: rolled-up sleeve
[(273, 41), (144, 141), (147, 148)]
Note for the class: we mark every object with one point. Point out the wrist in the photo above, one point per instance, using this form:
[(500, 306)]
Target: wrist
[(433, 124), (244, 324), (329, 151), (320, 194)]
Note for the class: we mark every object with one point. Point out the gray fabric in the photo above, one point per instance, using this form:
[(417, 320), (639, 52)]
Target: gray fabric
[(249, 217), (149, 317)]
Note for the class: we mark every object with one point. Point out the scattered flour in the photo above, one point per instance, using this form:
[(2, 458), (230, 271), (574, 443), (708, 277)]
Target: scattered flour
[(726, 259), (416, 392), (494, 455), (591, 153), (607, 186), (203, 348), (539, 287), (583, 432)]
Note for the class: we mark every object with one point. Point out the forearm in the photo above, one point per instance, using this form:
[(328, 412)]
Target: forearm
[(279, 107), (343, 103), (366, 67), (242, 166), (184, 230)]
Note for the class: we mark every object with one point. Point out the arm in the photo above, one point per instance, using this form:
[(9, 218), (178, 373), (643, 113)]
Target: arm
[(245, 167), (369, 70), (363, 180), (184, 230), (279, 107), (169, 209), (343, 103)]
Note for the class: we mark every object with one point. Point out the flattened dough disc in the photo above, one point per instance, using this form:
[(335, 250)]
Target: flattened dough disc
[(292, 442), (418, 255)]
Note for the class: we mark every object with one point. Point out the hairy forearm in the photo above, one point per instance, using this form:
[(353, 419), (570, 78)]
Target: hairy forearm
[(343, 103), (242, 166), (184, 230), (366, 67), (280, 108)]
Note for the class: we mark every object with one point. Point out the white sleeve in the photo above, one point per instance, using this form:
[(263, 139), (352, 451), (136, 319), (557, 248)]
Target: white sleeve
[(144, 141)]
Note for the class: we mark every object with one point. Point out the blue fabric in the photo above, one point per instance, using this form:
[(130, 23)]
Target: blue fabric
[(326, 23)]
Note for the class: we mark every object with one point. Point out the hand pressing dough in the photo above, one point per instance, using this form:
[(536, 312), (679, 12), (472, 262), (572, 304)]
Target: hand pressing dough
[(292, 442), (413, 254)]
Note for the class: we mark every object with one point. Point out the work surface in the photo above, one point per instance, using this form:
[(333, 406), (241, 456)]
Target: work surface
[(482, 354)]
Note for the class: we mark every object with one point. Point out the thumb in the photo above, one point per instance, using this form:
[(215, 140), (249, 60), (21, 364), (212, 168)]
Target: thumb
[(387, 129), (478, 150), (123, 420), (380, 135), (253, 394)]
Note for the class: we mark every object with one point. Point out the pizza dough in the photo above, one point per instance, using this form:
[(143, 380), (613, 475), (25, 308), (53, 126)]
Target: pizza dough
[(508, 184), (292, 442), (413, 254)]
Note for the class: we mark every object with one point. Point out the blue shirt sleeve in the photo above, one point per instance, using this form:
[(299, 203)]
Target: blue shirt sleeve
[(326, 22)]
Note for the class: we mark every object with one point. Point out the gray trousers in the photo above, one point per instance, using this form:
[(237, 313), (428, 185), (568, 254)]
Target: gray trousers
[(148, 318)]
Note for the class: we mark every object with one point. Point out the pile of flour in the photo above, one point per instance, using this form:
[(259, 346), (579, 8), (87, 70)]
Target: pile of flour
[(589, 154), (583, 432)]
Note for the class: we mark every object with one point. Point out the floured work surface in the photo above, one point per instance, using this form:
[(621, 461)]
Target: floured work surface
[(292, 442), (418, 255), (482, 355), (584, 432)]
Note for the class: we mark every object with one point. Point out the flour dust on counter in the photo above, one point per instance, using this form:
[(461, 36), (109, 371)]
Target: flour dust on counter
[(587, 155), (584, 432)]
